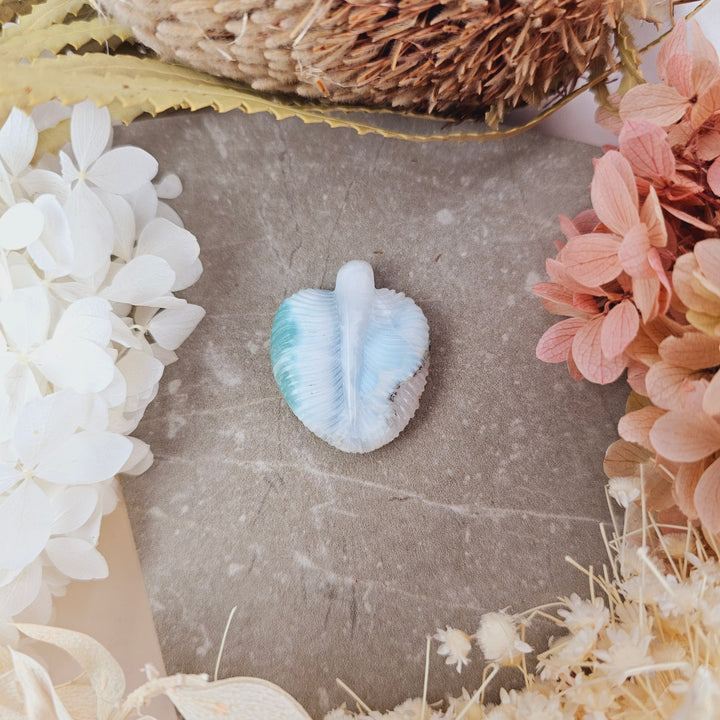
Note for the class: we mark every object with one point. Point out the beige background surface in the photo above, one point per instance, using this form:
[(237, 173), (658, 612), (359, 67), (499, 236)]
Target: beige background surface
[(340, 565)]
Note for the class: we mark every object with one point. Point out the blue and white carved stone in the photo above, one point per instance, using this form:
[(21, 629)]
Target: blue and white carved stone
[(351, 362)]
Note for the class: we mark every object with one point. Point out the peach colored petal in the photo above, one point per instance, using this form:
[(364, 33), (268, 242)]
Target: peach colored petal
[(707, 498), (707, 254), (633, 252), (708, 101), (711, 397), (568, 227), (646, 293), (619, 328), (661, 104), (575, 373), (644, 348), (685, 436), (623, 458), (635, 426), (559, 274), (688, 218), (586, 303), (679, 134), (556, 341), (658, 490), (652, 217), (636, 376), (686, 480), (713, 176), (708, 147), (588, 355), (679, 73), (674, 44), (553, 291), (646, 147), (665, 293), (688, 289), (670, 386), (586, 221), (693, 350), (614, 193), (592, 259), (608, 120), (702, 49)]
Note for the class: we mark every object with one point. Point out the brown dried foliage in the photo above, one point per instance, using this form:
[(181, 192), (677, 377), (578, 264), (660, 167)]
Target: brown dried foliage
[(455, 58)]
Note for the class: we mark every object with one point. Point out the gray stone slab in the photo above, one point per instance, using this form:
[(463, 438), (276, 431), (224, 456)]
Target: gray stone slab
[(340, 565)]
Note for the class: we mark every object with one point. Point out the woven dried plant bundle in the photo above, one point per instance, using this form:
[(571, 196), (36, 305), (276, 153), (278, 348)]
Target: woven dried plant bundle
[(455, 58)]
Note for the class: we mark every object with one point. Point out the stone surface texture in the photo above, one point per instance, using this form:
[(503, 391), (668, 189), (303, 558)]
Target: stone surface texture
[(341, 565)]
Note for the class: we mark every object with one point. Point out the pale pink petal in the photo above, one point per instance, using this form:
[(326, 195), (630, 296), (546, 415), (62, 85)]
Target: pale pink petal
[(652, 217), (556, 341), (707, 498), (615, 202), (707, 254), (685, 436), (636, 377), (675, 44), (686, 480), (713, 177), (87, 457), (608, 119), (554, 292), (20, 226), (25, 518), (559, 274), (170, 328), (694, 350), (619, 328), (592, 259), (679, 73), (646, 293), (76, 558), (588, 355), (702, 48), (18, 140), (25, 317), (708, 102), (123, 170), (633, 252), (646, 147), (585, 303), (660, 104), (708, 144), (89, 132), (711, 397), (635, 426)]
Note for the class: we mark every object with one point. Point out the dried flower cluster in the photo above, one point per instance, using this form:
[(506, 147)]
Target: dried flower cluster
[(89, 263), (639, 283), (645, 644)]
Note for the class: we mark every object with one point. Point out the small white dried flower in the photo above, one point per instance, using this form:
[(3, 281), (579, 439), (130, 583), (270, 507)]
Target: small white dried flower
[(703, 697), (584, 614), (499, 639), (624, 490), (627, 654), (455, 644)]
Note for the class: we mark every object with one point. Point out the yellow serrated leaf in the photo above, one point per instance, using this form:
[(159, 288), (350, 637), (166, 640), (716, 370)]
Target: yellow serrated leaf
[(140, 85), (10, 9), (43, 15), (31, 44)]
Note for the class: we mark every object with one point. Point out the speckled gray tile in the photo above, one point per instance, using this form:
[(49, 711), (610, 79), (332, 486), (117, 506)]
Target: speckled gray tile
[(340, 564)]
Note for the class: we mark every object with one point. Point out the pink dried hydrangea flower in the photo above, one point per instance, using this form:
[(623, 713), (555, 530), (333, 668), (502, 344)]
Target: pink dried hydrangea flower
[(638, 282)]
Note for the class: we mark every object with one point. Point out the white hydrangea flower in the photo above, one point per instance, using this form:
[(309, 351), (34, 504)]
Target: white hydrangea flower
[(499, 638), (90, 260), (455, 644)]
